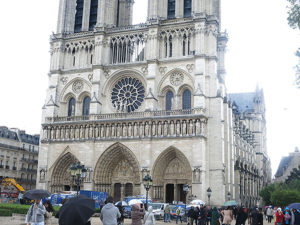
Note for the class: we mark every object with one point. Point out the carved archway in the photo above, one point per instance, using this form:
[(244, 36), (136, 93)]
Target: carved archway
[(117, 166), (171, 170), (61, 179)]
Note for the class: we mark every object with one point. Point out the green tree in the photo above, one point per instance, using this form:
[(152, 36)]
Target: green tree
[(284, 197), (294, 176), (294, 13), (266, 193)]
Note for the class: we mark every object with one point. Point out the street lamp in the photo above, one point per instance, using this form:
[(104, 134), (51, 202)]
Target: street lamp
[(147, 182), (229, 196), (209, 191), (186, 190), (78, 173)]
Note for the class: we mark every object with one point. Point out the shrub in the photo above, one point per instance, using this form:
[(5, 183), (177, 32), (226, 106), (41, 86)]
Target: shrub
[(6, 212)]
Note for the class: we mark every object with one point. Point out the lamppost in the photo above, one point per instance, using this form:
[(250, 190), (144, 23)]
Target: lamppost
[(209, 194), (147, 182), (186, 190), (78, 173), (229, 196)]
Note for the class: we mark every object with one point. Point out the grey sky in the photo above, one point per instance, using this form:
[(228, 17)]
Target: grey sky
[(260, 51)]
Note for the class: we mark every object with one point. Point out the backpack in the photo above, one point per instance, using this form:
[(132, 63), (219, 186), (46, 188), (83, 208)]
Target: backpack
[(287, 216)]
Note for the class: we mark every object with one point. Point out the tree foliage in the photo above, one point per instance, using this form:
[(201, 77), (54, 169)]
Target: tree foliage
[(294, 13), (284, 197), (294, 175), (266, 193)]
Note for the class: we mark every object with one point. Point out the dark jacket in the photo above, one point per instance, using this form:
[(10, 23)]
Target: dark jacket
[(202, 214), (254, 217), (241, 217), (191, 213), (297, 217)]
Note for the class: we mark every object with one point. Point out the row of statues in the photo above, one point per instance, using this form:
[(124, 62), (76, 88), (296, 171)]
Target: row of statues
[(193, 127)]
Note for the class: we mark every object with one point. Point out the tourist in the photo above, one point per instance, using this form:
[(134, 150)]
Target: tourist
[(109, 213), (149, 217), (136, 215), (270, 214), (209, 214), (178, 214), (254, 217), (190, 215), (260, 217), (297, 217), (167, 212), (287, 216), (36, 213), (196, 215), (49, 212), (215, 215), (241, 216), (202, 215), (227, 216), (120, 220), (279, 217)]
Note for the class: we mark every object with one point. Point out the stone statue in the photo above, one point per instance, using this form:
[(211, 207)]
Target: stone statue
[(118, 130), (198, 127), (178, 128), (172, 128), (52, 134), (191, 126), (124, 132), (107, 131), (129, 130), (153, 129), (72, 133), (184, 128), (135, 134), (57, 133), (81, 132), (146, 129), (165, 128), (141, 129), (159, 129), (77, 132), (67, 133)]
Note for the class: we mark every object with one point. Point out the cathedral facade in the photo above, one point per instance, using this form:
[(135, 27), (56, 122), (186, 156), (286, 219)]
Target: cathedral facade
[(130, 100)]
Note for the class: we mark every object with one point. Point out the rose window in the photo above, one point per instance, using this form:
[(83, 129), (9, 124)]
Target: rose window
[(128, 95)]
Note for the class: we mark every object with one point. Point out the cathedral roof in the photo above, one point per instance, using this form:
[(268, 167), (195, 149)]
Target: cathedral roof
[(284, 163), (244, 101)]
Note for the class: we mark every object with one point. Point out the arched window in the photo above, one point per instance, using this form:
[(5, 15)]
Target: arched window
[(93, 14), (171, 9), (187, 8), (86, 106), (71, 107), (186, 100), (169, 100), (78, 15)]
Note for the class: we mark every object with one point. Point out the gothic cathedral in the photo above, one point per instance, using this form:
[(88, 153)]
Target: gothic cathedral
[(130, 100)]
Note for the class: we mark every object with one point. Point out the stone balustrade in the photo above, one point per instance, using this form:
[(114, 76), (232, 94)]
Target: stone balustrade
[(154, 124)]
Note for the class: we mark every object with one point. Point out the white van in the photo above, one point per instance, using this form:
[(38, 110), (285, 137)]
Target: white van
[(158, 210)]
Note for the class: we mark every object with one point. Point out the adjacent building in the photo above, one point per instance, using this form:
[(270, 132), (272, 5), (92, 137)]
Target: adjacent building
[(18, 158), (129, 100)]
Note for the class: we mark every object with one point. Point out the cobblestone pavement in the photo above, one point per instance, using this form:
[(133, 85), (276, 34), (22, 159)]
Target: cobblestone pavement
[(19, 220)]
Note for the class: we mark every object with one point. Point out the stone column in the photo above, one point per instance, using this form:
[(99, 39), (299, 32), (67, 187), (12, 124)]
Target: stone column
[(86, 15)]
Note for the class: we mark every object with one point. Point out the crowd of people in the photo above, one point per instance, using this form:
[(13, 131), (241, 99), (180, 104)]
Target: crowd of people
[(40, 214)]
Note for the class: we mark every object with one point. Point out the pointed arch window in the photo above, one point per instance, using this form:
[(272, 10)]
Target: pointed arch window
[(78, 16), (171, 9), (186, 100), (187, 8), (169, 100), (71, 107), (86, 106), (93, 14)]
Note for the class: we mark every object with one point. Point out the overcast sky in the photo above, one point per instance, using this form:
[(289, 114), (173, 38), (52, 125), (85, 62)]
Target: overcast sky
[(260, 51)]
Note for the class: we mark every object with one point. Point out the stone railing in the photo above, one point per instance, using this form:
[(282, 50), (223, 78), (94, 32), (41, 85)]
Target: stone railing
[(159, 124)]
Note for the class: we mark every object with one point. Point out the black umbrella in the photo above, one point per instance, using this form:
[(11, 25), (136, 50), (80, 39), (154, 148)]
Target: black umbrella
[(76, 211), (294, 206), (37, 194)]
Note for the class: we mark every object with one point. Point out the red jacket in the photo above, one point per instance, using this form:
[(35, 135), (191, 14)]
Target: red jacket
[(279, 217)]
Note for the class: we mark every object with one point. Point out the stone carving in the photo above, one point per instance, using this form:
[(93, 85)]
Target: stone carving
[(145, 70), (64, 80), (91, 76), (77, 86), (196, 175), (175, 170), (107, 73), (190, 67), (162, 70), (176, 78), (123, 169)]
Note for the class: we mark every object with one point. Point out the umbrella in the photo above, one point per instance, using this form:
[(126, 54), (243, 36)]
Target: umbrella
[(135, 202), (294, 206), (76, 211), (37, 194), (231, 203), (121, 203), (197, 202)]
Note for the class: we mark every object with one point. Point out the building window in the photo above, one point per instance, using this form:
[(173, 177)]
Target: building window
[(71, 107), (86, 106), (171, 9), (187, 8), (93, 14), (78, 15), (186, 100), (169, 100)]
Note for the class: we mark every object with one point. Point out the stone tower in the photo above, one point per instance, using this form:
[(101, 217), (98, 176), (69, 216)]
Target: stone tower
[(130, 100)]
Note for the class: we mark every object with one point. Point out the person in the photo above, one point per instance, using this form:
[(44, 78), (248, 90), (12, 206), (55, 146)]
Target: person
[(241, 216), (196, 215), (279, 217), (209, 212), (120, 220), (149, 217), (260, 217), (227, 216), (202, 215), (297, 217), (191, 214), (109, 213), (62, 203), (48, 213), (215, 215), (287, 216), (167, 212), (178, 214), (270, 214), (36, 213), (253, 217), (136, 215), (292, 216)]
